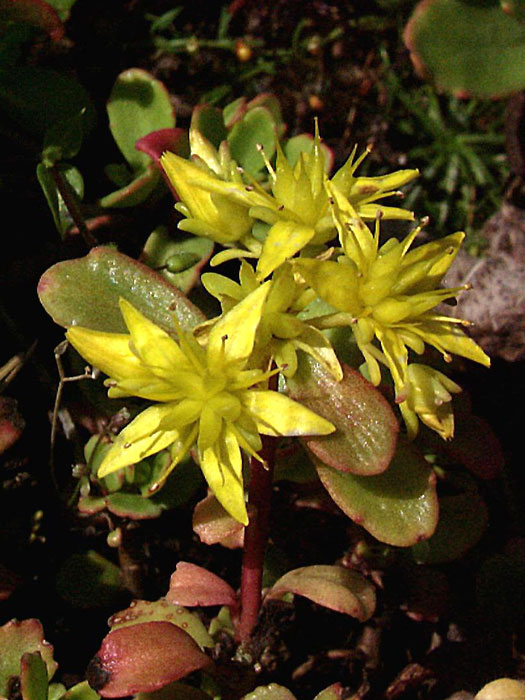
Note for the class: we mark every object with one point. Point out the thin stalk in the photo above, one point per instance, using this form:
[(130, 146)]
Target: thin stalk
[(72, 206), (255, 538)]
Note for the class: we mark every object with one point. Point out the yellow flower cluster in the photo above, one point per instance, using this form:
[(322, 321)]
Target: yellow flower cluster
[(210, 388)]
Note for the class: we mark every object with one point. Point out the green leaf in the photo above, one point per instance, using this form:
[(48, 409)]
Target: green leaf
[(398, 507), (162, 611), (333, 692), (19, 638), (257, 127), (463, 518), (208, 120), (135, 192), (62, 7), (89, 580), (270, 692), (138, 105), (81, 691), (36, 98), (468, 49), (133, 506), (63, 140), (366, 434), (303, 143), (85, 292), (73, 180), (161, 248), (33, 676), (234, 111), (334, 587)]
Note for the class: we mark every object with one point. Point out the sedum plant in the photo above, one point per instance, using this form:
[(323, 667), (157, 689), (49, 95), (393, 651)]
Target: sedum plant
[(318, 293)]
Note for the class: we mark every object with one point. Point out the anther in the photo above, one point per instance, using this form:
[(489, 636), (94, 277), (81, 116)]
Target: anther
[(424, 221)]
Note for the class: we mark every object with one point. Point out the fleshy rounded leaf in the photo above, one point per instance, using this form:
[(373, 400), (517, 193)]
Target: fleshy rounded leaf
[(19, 638), (86, 292), (162, 611), (334, 587), (193, 585), (398, 507), (138, 105), (274, 691), (133, 506), (367, 428), (463, 518), (143, 658), (257, 127), (161, 249), (467, 48), (214, 525), (33, 676)]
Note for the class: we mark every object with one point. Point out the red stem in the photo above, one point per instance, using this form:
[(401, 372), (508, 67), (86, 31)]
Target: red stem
[(255, 538)]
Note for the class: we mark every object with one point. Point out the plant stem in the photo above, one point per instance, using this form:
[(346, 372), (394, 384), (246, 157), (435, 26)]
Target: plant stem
[(72, 206), (255, 538)]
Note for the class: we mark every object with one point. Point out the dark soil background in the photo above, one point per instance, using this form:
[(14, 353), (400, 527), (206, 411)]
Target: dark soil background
[(430, 637)]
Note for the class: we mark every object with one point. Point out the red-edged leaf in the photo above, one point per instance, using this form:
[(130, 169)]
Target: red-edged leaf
[(141, 611), (192, 585), (214, 525), (367, 428), (16, 639), (143, 658), (33, 676), (158, 142), (399, 506), (333, 692), (85, 292), (333, 587)]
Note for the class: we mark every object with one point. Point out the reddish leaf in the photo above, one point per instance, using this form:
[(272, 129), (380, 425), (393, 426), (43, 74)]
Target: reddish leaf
[(143, 658), (11, 423), (334, 587), (214, 525), (192, 585), (366, 434)]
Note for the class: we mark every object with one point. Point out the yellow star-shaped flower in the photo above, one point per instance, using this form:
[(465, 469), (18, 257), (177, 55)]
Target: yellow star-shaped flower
[(388, 294), (207, 397)]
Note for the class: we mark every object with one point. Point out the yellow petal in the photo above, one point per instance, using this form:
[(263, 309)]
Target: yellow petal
[(316, 344), (336, 283), (144, 436), (109, 352), (284, 240), (448, 337), (154, 346), (276, 414), (231, 339), (224, 476)]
